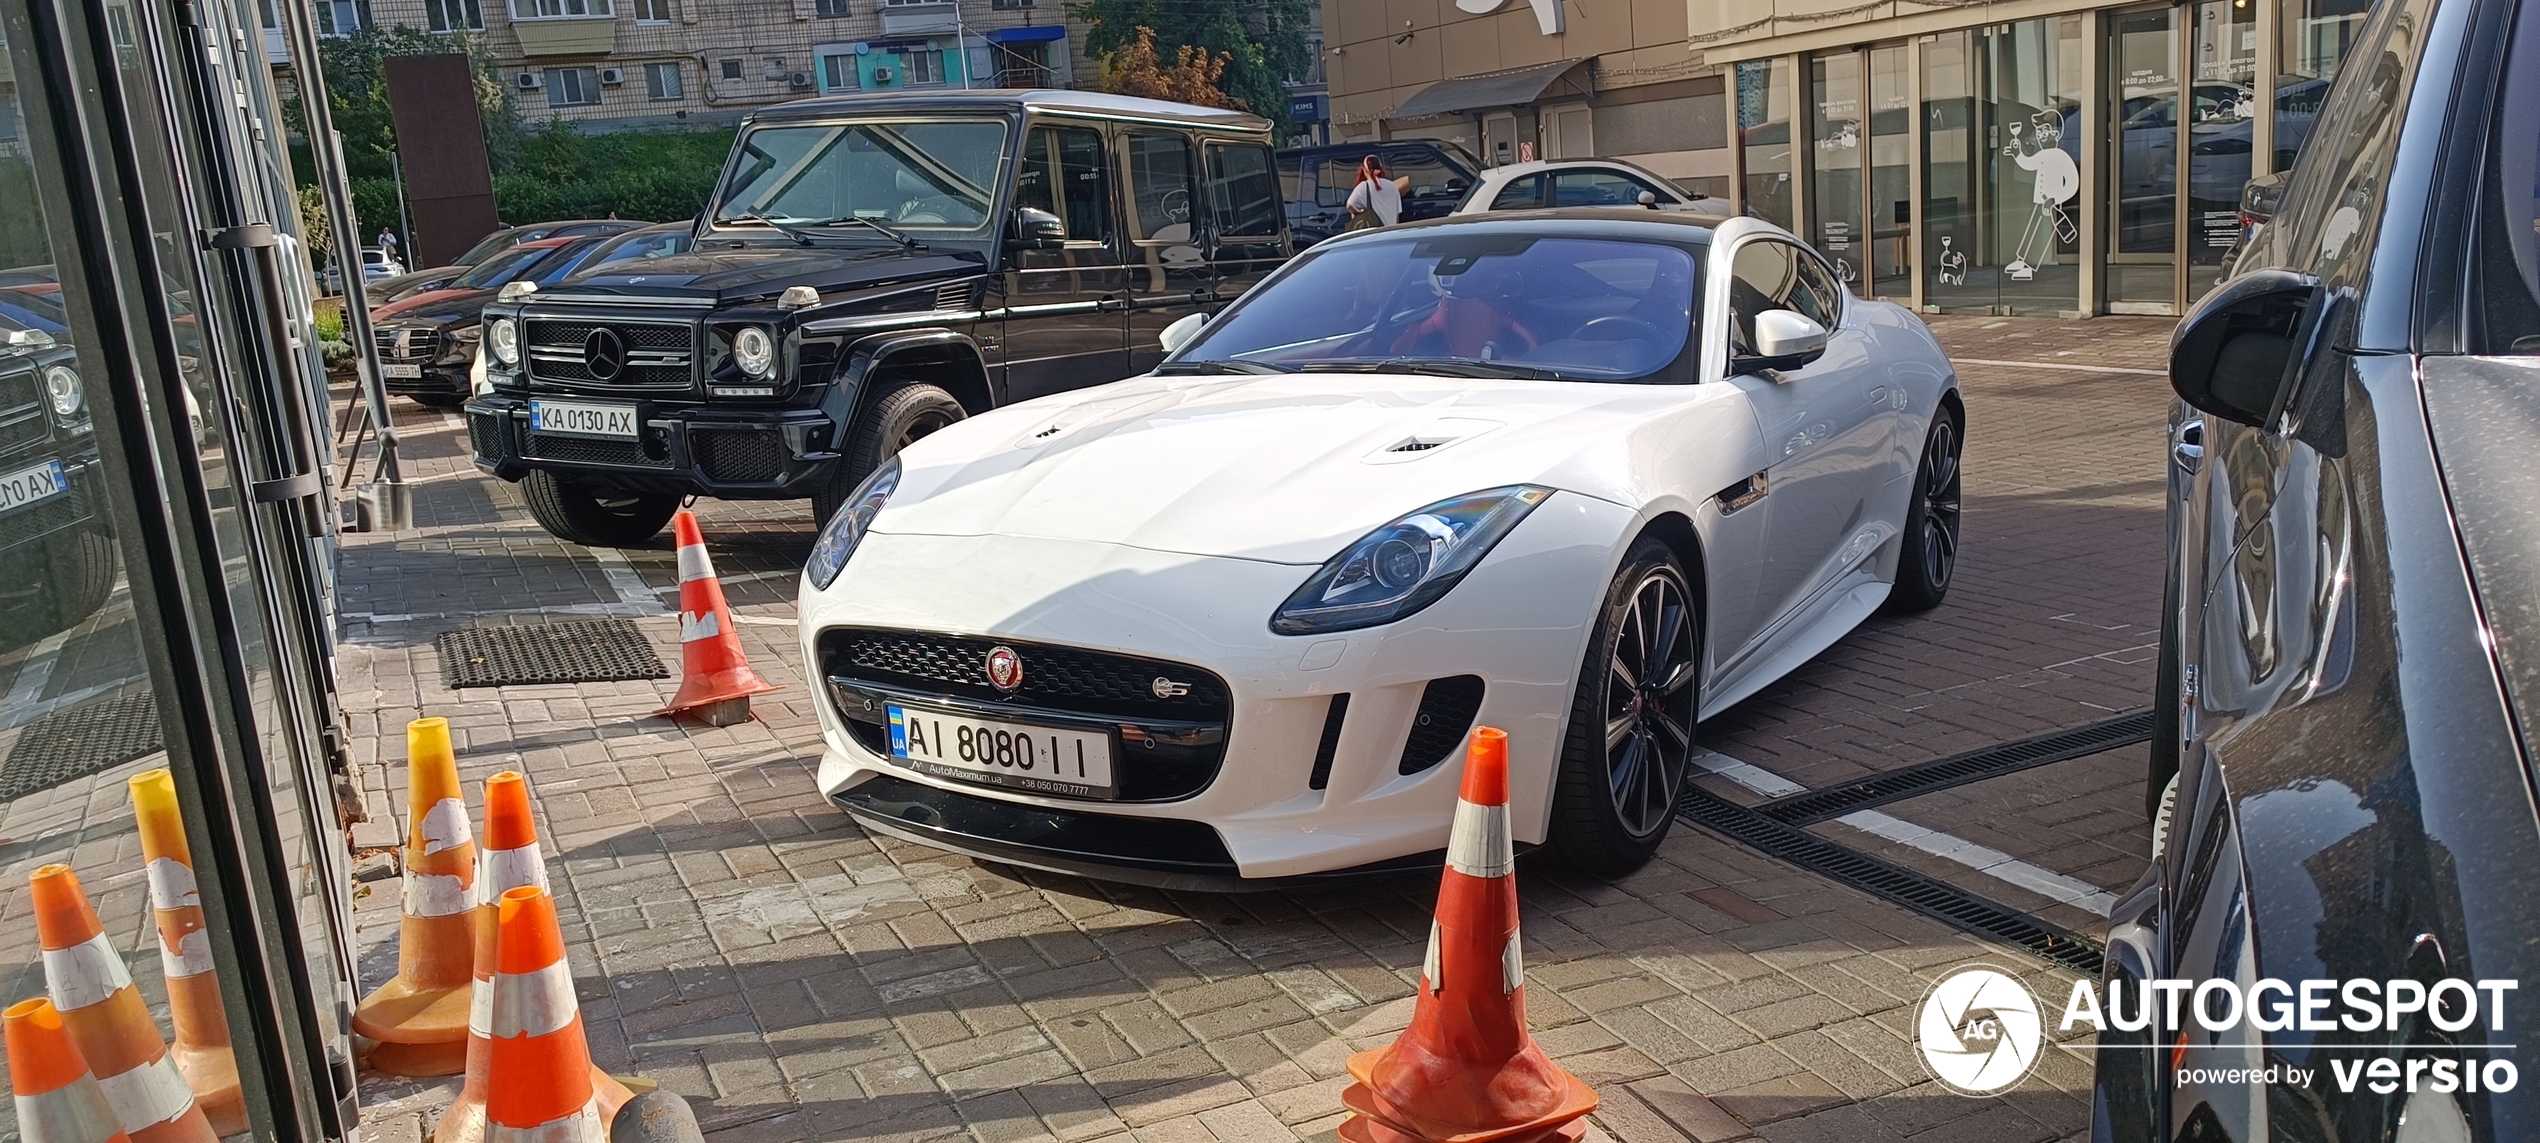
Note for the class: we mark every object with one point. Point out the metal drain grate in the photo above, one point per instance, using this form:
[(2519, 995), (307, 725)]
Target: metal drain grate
[(1896, 883), (1974, 766), (581, 651), (82, 740)]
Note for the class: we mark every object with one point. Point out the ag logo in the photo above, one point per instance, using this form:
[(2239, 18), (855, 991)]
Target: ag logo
[(1978, 1030)]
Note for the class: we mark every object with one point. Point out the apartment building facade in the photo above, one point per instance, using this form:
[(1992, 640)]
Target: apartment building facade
[(2002, 156), (652, 64)]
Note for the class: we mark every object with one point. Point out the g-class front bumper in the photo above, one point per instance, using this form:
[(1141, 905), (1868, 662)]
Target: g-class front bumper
[(759, 454)]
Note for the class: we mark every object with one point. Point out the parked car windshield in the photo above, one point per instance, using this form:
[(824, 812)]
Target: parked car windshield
[(928, 175), (1491, 303), (500, 268), (493, 244)]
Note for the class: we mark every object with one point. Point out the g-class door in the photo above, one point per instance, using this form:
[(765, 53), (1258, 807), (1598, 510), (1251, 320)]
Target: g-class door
[(1064, 323), (1245, 238), (1169, 274)]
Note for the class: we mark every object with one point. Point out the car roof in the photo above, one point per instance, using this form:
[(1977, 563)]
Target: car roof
[(1632, 222), (1017, 99)]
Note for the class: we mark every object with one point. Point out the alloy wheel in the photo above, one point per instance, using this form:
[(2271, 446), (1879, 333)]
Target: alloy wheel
[(1649, 704), (1937, 484)]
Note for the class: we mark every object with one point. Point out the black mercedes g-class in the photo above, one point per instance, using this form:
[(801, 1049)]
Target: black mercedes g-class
[(57, 559), (871, 269)]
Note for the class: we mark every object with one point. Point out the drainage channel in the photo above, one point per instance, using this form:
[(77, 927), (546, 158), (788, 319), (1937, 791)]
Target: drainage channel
[(1933, 898), (1974, 766)]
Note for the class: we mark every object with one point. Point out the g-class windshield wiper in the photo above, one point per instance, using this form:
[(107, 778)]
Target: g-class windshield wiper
[(779, 227), (887, 232), (1435, 367), (1196, 368)]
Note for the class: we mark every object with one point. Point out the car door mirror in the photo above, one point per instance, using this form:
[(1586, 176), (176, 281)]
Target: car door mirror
[(1180, 333), (1649, 199), (1036, 229), (2237, 352), (1787, 338)]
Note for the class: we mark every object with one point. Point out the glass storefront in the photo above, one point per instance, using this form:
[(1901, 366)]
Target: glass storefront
[(2086, 162)]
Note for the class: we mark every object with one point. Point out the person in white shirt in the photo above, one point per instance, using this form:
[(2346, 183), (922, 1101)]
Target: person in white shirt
[(1376, 200)]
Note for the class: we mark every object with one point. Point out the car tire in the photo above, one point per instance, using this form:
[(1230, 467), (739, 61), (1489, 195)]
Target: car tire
[(1629, 744), (439, 400), (1928, 559), (2169, 703), (595, 517), (75, 575), (894, 421)]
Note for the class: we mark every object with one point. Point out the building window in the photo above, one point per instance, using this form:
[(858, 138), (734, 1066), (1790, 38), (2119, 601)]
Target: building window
[(661, 81), (1023, 65), (652, 11), (572, 86), (550, 9), (919, 68), (1002, 5), (732, 69), (342, 17), (454, 15), (837, 73), (831, 8)]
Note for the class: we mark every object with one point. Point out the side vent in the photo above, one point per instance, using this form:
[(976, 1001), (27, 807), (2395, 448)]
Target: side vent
[(953, 296), (1415, 444), (1447, 709), (1331, 743)]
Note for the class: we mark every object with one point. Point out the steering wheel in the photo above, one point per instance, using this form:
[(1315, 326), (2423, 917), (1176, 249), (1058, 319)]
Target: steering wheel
[(1616, 327)]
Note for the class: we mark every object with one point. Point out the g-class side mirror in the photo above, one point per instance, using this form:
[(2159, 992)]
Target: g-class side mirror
[(1037, 229), (2240, 350)]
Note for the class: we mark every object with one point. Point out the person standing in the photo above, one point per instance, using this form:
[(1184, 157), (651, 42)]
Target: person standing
[(1376, 200), (387, 241)]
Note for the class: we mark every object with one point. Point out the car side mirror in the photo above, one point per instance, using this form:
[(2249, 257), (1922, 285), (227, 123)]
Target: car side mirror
[(1648, 199), (2238, 351), (1037, 229), (1181, 332), (1788, 336)]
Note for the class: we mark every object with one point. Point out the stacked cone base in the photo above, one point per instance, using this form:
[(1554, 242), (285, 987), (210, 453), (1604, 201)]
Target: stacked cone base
[(722, 712), (1380, 1121), (430, 1027), (213, 1074)]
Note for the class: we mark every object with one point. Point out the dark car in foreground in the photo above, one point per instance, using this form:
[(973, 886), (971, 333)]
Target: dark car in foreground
[(2346, 840), (57, 558), (428, 341)]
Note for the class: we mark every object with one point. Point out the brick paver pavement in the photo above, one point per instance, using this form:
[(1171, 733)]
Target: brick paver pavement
[(743, 943)]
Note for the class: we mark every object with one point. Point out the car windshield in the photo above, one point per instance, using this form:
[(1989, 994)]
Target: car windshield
[(1480, 303), (639, 247), (500, 268), (930, 175)]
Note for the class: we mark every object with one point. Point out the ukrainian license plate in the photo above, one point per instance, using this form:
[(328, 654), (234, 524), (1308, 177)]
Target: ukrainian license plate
[(582, 419), (28, 485), (405, 372), (1040, 758)]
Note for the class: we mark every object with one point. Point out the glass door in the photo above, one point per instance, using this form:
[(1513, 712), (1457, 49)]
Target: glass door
[(1834, 133), (2001, 125), (2221, 122), (2143, 265), (1890, 221)]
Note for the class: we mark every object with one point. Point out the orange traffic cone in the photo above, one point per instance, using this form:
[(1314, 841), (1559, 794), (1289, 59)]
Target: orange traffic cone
[(541, 1069), (512, 861), (1466, 1071), (58, 1101), (106, 1018), (419, 1017), (716, 681), (201, 1049)]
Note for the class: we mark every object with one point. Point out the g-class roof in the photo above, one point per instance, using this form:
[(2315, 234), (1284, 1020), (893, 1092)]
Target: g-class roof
[(1017, 99)]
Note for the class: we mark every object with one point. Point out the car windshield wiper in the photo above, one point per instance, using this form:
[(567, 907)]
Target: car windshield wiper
[(1194, 368), (887, 232), (779, 227), (1436, 367)]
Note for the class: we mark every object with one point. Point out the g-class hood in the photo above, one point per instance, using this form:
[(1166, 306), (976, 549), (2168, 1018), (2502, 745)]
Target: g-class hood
[(1290, 468), (725, 273)]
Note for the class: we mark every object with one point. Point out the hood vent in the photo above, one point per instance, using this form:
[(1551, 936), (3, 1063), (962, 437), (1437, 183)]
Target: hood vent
[(953, 296), (1434, 435), (1415, 444)]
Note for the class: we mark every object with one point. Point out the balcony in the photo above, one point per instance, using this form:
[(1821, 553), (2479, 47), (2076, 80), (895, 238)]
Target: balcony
[(566, 35), (919, 19)]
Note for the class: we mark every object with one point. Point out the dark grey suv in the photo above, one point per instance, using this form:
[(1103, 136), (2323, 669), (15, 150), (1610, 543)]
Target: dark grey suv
[(2343, 791)]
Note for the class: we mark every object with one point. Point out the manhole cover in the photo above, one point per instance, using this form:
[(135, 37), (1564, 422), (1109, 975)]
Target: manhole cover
[(584, 651), (79, 741)]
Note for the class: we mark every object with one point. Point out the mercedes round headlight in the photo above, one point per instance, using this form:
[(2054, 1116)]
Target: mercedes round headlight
[(754, 351), (838, 539), (62, 387), (502, 335), (1406, 565)]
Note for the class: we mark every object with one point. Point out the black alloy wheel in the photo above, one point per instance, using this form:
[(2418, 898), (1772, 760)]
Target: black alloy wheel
[(1929, 559), (894, 421), (1630, 741)]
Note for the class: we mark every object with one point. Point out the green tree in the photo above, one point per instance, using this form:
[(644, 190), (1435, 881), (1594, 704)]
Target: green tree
[(1263, 41)]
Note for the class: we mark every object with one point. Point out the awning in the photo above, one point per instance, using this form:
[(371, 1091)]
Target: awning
[(1034, 35), (1499, 89)]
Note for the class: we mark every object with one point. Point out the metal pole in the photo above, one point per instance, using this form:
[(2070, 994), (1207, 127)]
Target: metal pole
[(388, 500), (405, 221)]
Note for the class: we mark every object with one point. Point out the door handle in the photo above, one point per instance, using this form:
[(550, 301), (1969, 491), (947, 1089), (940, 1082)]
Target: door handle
[(2187, 446)]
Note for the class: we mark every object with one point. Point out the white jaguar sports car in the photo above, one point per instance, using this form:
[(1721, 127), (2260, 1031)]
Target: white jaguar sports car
[(1587, 477)]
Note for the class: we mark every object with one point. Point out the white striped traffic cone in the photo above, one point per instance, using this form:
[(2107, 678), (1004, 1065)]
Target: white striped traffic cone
[(419, 1017), (106, 1017), (540, 1084), (716, 681), (57, 1100), (202, 1051)]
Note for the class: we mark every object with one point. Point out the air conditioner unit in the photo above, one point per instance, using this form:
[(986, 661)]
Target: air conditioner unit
[(612, 76), (532, 81), (881, 75), (800, 79)]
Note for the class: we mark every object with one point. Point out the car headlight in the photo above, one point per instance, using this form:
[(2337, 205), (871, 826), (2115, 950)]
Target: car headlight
[(1406, 565), (503, 336), (754, 351), (838, 539), (62, 387)]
